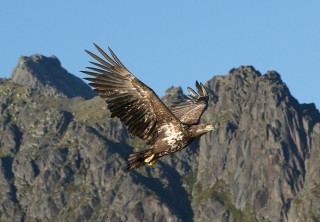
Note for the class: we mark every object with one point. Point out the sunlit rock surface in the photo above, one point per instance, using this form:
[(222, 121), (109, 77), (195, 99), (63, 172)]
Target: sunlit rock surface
[(63, 159)]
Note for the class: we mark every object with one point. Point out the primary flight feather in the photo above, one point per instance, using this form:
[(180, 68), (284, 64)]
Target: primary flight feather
[(146, 116)]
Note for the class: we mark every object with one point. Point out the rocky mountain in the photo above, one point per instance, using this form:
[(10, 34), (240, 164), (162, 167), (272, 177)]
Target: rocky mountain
[(62, 158), (45, 75)]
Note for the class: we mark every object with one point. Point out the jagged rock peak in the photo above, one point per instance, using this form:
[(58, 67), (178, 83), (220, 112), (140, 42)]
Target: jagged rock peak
[(41, 59), (47, 76), (245, 69), (174, 90), (249, 72), (273, 75), (248, 79), (173, 94)]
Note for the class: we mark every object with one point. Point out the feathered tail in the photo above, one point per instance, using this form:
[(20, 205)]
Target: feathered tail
[(140, 158)]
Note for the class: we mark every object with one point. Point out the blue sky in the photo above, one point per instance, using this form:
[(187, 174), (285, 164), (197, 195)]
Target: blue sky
[(168, 43)]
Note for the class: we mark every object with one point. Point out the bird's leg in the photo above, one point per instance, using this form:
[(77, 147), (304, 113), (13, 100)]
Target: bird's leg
[(152, 162), (149, 159)]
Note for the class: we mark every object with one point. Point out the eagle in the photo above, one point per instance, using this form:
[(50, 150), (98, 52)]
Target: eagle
[(165, 130)]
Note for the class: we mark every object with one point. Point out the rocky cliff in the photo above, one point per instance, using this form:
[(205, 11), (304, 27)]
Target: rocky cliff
[(46, 76), (63, 159)]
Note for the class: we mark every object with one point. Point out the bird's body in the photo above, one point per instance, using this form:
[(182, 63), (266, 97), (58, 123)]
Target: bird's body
[(146, 116)]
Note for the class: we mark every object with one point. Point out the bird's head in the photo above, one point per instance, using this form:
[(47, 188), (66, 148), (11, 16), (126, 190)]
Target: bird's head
[(201, 129)]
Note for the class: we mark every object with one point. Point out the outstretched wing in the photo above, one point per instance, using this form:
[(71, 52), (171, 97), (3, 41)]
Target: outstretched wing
[(129, 99), (190, 110)]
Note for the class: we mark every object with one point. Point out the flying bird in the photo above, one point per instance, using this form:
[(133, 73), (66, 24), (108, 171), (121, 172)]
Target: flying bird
[(146, 116)]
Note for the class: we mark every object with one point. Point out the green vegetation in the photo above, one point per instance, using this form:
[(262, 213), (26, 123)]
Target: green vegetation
[(220, 192), (247, 214), (136, 142), (90, 111), (225, 116), (316, 190), (3, 153), (190, 180), (297, 201), (72, 187), (315, 216)]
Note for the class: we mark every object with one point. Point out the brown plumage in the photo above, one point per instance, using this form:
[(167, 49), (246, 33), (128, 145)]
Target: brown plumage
[(190, 109), (145, 115)]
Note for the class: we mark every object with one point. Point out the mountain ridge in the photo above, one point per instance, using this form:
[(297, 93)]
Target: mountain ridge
[(63, 158), (46, 75)]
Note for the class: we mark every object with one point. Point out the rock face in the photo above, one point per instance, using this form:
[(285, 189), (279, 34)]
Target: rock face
[(46, 75), (63, 158), (261, 151)]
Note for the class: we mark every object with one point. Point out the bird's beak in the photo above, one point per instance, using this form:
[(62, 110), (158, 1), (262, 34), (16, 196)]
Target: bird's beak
[(209, 128)]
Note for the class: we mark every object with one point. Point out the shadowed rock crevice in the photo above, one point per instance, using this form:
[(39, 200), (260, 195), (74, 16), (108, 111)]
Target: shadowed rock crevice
[(66, 119), (171, 192), (6, 167), (35, 168), (17, 137)]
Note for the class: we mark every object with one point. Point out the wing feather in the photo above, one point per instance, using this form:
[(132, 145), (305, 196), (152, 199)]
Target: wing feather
[(136, 119), (199, 89), (116, 58), (100, 71), (192, 92), (190, 109), (129, 99), (98, 59), (105, 55), (99, 65)]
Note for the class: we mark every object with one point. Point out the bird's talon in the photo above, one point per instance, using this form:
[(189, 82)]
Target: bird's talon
[(149, 159), (152, 162)]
